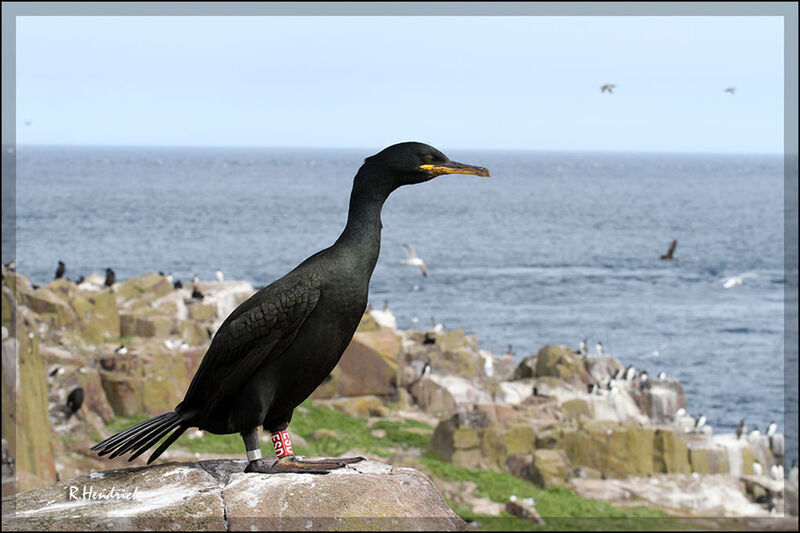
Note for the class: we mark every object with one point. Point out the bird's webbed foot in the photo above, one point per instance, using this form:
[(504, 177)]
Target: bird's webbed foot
[(289, 464)]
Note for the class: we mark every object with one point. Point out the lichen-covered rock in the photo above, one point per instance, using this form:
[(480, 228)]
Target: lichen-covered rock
[(26, 424), (432, 397), (216, 495), (549, 467), (150, 286), (614, 450), (202, 312), (97, 315), (526, 368), (575, 409), (356, 406), (659, 399), (145, 322), (561, 362), (52, 309), (149, 379), (163, 497), (670, 454), (362, 496)]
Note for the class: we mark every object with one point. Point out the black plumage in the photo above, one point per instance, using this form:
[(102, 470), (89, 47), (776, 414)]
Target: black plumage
[(276, 348), (60, 270), (74, 401), (111, 278), (671, 251)]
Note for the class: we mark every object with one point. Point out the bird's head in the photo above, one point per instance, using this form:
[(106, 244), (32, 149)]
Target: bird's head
[(408, 163)]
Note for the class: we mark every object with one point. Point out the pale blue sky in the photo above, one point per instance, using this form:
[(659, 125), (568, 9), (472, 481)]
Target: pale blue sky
[(367, 82)]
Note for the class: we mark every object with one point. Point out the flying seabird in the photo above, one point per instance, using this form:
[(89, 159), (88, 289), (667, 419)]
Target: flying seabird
[(607, 88), (671, 250), (731, 90), (413, 260), (111, 278), (276, 347), (74, 401), (60, 270)]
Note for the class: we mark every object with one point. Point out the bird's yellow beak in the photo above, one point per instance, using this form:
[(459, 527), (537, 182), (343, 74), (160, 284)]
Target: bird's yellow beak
[(452, 167)]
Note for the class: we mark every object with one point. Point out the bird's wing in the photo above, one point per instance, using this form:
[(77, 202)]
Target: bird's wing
[(410, 251), (672, 248), (259, 329), (423, 269)]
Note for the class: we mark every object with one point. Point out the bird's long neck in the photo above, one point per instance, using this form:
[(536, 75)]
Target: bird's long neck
[(361, 238)]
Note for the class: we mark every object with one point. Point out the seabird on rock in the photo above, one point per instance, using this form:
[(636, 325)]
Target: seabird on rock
[(671, 251), (700, 422), (583, 350), (630, 373), (620, 373), (169, 278), (599, 348), (437, 327), (644, 376), (111, 278), (741, 429), (81, 279), (122, 350), (772, 428), (275, 348), (178, 284), (413, 260), (60, 270), (196, 293), (11, 265), (195, 278), (220, 275), (681, 412), (488, 363), (607, 88), (661, 375), (74, 401), (757, 469)]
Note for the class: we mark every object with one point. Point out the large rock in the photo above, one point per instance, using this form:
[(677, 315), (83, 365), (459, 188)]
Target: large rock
[(146, 322), (613, 450), (549, 467), (659, 399), (97, 315), (149, 287), (216, 495), (562, 363), (369, 365), (26, 424), (149, 379)]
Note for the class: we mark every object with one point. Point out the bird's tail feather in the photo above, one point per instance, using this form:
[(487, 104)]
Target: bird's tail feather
[(142, 436)]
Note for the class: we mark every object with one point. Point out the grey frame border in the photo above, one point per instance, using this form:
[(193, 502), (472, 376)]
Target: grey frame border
[(788, 10)]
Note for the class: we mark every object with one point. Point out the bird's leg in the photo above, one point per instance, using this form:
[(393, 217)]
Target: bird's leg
[(286, 462)]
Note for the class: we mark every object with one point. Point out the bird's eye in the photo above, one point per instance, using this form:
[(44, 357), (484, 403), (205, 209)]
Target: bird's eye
[(428, 158)]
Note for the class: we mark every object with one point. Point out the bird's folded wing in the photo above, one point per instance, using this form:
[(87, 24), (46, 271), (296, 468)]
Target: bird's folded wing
[(259, 329)]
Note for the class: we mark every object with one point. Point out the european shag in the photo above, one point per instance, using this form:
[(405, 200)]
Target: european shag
[(74, 401), (111, 278), (60, 270), (276, 348)]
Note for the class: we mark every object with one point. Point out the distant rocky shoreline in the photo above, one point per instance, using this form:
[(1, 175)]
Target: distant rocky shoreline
[(556, 419)]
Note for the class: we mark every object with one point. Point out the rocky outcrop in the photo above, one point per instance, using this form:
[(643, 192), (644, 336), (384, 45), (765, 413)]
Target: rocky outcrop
[(217, 495)]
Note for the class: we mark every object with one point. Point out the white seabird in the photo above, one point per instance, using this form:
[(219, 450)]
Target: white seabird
[(736, 281), (122, 350), (772, 428), (584, 349), (384, 318), (488, 363), (414, 260), (437, 327), (599, 348), (220, 275), (757, 470)]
